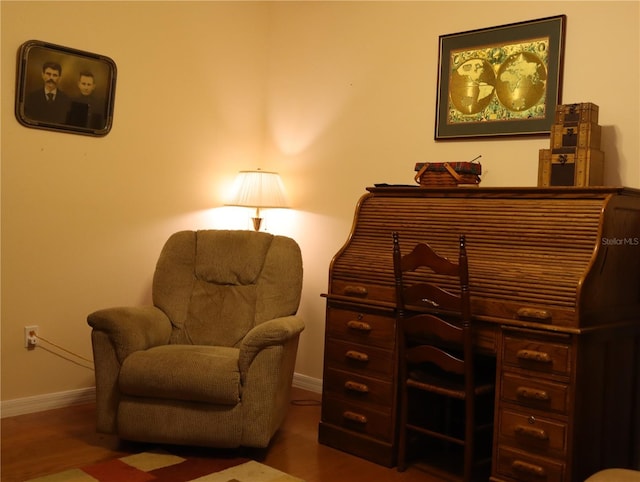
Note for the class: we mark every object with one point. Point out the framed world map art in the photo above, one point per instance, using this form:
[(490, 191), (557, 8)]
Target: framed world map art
[(500, 81)]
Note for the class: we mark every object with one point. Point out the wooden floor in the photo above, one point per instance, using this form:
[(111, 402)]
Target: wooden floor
[(49, 442)]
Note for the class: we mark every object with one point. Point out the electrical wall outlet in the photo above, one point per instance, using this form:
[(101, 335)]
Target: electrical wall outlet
[(30, 338)]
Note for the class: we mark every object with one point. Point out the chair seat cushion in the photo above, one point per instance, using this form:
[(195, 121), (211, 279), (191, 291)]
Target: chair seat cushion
[(183, 372)]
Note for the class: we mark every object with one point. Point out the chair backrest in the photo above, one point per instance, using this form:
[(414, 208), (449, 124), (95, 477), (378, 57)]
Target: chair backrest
[(215, 285), (434, 322)]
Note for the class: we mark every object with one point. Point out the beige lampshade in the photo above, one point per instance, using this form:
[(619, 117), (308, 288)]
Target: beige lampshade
[(258, 189)]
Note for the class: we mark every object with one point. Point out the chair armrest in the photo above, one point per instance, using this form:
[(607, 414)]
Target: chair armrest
[(270, 333), (132, 328), (267, 362)]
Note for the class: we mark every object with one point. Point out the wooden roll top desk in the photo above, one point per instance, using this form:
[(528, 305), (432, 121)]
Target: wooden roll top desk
[(555, 284)]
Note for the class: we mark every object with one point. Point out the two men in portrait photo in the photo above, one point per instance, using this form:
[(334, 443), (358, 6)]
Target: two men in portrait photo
[(49, 103)]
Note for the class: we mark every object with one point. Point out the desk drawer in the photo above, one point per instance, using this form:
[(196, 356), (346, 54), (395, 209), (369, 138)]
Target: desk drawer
[(363, 359), (525, 468), (533, 433), (358, 418), (537, 354), (361, 327), (535, 393), (361, 290), (358, 388)]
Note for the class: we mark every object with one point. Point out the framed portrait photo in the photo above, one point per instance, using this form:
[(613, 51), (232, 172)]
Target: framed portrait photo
[(500, 81), (65, 89)]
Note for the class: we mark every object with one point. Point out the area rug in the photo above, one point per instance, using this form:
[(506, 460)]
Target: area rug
[(161, 466)]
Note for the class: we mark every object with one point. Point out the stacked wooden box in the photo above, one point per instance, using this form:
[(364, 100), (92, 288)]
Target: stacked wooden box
[(575, 158)]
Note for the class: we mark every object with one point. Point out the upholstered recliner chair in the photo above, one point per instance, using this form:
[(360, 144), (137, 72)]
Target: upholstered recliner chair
[(211, 362)]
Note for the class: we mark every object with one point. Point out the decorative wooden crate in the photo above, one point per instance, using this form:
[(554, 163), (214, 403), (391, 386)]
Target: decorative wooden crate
[(574, 113), (583, 134), (570, 167)]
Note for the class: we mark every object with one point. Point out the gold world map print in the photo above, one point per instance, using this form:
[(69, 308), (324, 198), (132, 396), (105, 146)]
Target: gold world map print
[(499, 82)]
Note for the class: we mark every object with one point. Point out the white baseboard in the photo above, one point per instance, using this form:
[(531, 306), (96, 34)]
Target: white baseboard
[(307, 383), (49, 401)]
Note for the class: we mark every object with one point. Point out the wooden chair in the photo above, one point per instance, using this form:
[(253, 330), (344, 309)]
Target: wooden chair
[(442, 381)]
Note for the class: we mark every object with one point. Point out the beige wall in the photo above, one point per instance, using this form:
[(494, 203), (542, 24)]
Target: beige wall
[(335, 96)]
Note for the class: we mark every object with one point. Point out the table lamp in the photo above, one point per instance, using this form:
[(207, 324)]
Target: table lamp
[(258, 189)]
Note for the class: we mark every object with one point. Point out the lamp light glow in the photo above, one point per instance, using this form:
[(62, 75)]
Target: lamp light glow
[(258, 189)]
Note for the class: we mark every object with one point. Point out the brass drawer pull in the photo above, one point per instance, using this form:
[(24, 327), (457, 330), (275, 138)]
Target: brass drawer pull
[(359, 325), (357, 355), (355, 417), (356, 387), (533, 355), (534, 314), (531, 432), (356, 290), (520, 466), (532, 394)]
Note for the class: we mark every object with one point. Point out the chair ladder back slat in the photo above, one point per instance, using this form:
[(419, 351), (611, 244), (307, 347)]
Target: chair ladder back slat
[(430, 296), (425, 326), (424, 255), (432, 354)]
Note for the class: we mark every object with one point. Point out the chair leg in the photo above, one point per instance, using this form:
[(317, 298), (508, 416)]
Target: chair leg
[(469, 446), (402, 462), (447, 424), (402, 439)]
